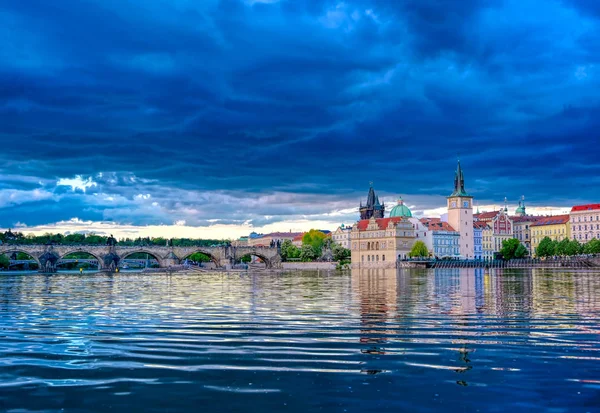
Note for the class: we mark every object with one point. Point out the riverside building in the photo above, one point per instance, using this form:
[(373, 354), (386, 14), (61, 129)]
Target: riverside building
[(379, 243), (585, 222), (556, 228)]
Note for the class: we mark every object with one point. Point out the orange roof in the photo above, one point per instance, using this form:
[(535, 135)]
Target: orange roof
[(437, 225), (480, 224), (382, 222), (299, 237), (428, 220), (557, 219), (486, 215), (587, 207)]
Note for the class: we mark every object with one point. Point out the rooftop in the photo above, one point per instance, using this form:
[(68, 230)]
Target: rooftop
[(382, 222), (486, 215), (480, 224), (555, 220), (587, 207), (437, 225)]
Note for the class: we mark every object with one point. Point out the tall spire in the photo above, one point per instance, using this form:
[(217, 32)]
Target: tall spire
[(459, 182)]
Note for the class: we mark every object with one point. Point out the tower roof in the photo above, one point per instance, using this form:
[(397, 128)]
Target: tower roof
[(459, 183)]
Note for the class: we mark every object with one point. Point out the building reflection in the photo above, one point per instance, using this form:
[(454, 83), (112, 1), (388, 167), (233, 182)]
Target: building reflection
[(376, 290)]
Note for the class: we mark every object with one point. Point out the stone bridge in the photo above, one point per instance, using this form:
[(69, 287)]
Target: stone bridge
[(47, 256)]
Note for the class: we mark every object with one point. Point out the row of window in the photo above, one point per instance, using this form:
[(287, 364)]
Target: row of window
[(585, 236), (585, 227), (585, 219), (549, 231), (373, 258)]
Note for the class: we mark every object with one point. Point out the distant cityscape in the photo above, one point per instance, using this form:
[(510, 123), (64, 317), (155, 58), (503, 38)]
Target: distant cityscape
[(460, 233)]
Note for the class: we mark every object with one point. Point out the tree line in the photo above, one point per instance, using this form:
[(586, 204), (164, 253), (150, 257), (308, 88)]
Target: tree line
[(566, 247)]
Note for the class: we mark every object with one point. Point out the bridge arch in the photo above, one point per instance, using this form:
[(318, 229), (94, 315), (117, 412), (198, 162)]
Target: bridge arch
[(154, 255), (257, 252), (8, 252), (84, 251), (213, 258)]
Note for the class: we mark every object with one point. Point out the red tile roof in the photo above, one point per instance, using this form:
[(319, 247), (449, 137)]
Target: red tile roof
[(557, 219), (587, 207), (486, 215), (382, 222), (299, 237), (437, 225), (525, 218), (480, 224), (428, 220)]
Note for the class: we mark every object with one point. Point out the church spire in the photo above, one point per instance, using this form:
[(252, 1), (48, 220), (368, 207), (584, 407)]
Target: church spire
[(459, 182)]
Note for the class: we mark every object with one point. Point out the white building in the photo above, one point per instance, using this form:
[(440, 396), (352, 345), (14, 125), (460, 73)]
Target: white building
[(341, 236)]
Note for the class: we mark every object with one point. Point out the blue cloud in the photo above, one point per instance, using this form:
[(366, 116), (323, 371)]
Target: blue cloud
[(312, 98)]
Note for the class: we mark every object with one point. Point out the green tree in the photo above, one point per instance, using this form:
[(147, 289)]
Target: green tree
[(308, 253), (562, 247), (314, 238), (4, 261), (521, 251), (419, 249), (509, 248), (546, 248), (289, 250), (574, 248), (592, 247), (340, 253), (246, 258)]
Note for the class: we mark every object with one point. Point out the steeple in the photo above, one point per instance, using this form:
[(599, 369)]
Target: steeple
[(373, 206), (459, 182)]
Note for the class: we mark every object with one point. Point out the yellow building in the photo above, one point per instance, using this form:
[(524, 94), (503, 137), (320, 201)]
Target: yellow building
[(487, 241), (379, 243), (556, 228)]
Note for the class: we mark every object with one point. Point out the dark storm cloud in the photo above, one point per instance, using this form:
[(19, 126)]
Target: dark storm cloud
[(249, 101)]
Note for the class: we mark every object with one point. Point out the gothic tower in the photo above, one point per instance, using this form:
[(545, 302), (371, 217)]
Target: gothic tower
[(373, 208), (460, 214)]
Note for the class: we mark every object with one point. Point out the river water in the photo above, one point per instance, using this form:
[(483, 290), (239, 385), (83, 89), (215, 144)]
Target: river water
[(371, 341)]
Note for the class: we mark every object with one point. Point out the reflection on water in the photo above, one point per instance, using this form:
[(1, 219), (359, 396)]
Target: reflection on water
[(373, 340)]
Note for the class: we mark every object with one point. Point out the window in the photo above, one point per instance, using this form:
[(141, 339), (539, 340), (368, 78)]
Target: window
[(383, 258), (378, 258), (363, 258)]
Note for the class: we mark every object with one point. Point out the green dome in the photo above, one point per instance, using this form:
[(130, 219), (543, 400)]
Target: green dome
[(400, 210)]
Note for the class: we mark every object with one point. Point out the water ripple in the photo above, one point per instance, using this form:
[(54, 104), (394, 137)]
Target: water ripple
[(371, 341)]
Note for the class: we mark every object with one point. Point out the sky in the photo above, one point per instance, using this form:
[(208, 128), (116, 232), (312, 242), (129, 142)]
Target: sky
[(216, 118)]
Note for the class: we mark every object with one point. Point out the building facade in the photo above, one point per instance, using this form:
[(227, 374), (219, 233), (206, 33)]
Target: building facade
[(556, 228), (341, 236), (522, 229), (379, 243), (478, 239), (585, 222), (460, 214), (444, 240), (487, 240), (373, 208), (502, 227)]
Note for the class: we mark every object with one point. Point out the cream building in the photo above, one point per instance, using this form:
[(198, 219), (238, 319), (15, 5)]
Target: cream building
[(341, 236), (460, 214), (379, 243), (585, 222)]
